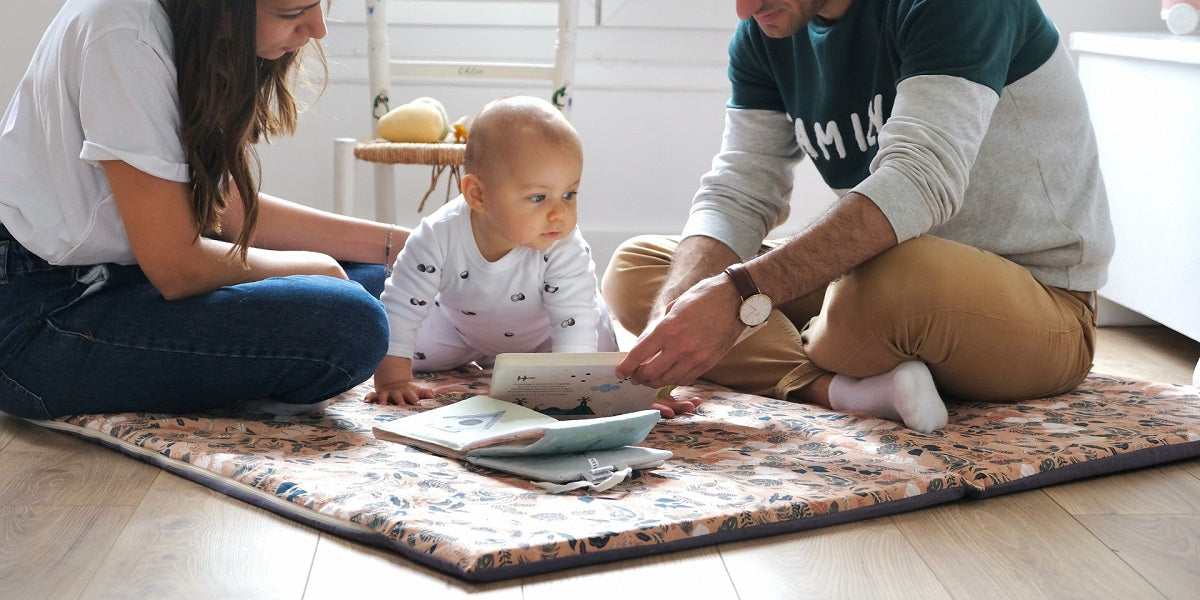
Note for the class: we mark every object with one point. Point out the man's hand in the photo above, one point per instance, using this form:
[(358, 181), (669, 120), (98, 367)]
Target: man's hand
[(696, 257), (695, 332)]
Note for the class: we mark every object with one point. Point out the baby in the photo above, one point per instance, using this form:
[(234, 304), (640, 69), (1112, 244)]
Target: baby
[(502, 267)]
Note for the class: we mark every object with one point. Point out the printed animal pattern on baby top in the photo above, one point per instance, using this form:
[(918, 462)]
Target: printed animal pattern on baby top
[(514, 304), (515, 297)]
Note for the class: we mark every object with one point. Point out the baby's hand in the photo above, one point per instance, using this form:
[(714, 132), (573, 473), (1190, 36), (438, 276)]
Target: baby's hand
[(670, 407), (394, 384), (399, 394)]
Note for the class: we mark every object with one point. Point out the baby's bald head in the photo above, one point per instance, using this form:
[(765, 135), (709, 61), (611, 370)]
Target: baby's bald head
[(503, 125)]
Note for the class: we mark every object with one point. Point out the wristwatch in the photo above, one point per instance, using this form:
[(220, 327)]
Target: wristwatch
[(756, 306)]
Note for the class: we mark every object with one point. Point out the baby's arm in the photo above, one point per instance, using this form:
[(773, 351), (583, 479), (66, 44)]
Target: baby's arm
[(571, 297), (407, 296), (394, 384)]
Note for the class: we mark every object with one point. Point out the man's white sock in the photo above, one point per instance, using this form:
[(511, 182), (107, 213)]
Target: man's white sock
[(906, 394)]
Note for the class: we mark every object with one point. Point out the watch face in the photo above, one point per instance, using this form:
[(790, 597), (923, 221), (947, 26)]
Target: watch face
[(754, 310)]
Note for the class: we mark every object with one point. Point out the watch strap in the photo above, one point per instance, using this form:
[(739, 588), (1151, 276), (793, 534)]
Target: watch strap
[(741, 280)]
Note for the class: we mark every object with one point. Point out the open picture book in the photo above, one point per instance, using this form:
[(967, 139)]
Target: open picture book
[(509, 437), (568, 385)]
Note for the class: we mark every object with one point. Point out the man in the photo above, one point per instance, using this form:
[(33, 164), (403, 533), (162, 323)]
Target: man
[(961, 258)]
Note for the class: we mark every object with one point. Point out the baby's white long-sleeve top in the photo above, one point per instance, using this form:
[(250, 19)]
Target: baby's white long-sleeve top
[(511, 305)]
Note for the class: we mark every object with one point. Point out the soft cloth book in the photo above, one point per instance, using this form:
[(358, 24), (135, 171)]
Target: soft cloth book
[(595, 467), (568, 385), (508, 437), (487, 426)]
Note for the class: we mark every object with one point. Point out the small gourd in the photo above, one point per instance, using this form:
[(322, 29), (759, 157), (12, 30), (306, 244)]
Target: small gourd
[(421, 121)]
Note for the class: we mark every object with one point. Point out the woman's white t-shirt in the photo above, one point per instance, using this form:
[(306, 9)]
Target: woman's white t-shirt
[(101, 86)]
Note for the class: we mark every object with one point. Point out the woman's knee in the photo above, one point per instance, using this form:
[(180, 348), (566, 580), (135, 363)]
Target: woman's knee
[(347, 333), (18, 401), (359, 329), (333, 320)]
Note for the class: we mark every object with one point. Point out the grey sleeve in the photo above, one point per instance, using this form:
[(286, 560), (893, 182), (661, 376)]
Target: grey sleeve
[(748, 190), (927, 149)]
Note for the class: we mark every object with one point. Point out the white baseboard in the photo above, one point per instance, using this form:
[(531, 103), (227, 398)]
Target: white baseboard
[(1111, 314)]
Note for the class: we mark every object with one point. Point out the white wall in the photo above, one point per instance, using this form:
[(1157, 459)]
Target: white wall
[(19, 36), (650, 87)]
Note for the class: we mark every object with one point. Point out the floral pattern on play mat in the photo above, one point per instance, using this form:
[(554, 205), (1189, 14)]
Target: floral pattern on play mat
[(744, 466)]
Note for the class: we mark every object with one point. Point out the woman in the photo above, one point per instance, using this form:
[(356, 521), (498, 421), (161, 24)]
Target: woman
[(140, 268)]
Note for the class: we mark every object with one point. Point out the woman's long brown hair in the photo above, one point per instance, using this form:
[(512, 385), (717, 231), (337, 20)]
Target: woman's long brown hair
[(229, 99)]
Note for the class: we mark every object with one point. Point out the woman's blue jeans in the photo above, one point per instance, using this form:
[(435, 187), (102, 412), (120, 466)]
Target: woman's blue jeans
[(89, 339)]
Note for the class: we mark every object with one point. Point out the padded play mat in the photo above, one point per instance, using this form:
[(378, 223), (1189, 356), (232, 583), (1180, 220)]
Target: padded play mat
[(744, 467)]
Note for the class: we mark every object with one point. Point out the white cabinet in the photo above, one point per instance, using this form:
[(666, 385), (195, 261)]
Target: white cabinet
[(1143, 92)]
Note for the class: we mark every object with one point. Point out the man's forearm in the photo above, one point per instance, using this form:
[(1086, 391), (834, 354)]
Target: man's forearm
[(853, 231), (697, 257)]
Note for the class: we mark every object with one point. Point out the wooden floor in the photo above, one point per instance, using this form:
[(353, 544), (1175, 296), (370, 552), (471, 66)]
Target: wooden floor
[(79, 521)]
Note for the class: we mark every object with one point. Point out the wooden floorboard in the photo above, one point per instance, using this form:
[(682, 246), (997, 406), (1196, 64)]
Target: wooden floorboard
[(186, 541), (1163, 549), (864, 559), (697, 573), (52, 551), (1018, 546), (390, 576), (40, 467), (1162, 490), (80, 521)]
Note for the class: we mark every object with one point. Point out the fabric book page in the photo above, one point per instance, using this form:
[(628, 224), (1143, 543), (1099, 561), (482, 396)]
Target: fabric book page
[(568, 385), (486, 426)]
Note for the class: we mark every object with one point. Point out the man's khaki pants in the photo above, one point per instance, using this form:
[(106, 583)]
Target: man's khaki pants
[(985, 327)]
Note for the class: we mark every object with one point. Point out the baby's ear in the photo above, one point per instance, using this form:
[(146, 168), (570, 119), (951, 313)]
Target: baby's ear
[(472, 190)]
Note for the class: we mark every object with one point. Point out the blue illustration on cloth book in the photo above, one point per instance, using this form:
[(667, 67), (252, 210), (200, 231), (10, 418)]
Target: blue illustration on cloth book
[(460, 423)]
